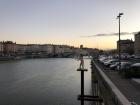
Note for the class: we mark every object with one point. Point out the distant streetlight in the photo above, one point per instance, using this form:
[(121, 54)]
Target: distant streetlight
[(119, 48)]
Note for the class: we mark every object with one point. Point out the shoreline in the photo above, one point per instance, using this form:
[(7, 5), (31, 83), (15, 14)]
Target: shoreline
[(13, 58)]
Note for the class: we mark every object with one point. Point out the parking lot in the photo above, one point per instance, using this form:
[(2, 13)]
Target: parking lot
[(125, 85)]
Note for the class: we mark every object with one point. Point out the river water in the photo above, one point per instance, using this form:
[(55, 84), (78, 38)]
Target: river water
[(52, 81)]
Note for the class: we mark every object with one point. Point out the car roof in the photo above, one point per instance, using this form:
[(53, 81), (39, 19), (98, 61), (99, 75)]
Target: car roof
[(136, 65), (125, 62)]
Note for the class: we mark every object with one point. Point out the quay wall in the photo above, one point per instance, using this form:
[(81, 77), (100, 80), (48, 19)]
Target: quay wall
[(117, 96)]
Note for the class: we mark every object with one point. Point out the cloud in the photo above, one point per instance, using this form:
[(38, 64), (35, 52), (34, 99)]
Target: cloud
[(111, 34)]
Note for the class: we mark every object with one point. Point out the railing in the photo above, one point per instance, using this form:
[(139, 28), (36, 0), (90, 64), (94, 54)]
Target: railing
[(118, 97)]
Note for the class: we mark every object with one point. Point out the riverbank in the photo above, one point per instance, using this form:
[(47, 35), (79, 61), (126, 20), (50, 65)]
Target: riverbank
[(8, 58)]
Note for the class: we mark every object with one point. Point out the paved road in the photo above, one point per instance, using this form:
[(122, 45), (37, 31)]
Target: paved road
[(124, 85)]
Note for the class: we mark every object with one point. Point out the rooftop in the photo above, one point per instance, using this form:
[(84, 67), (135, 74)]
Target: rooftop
[(127, 41)]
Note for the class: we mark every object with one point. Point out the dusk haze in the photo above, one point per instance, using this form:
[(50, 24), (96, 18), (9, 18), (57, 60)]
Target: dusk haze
[(67, 21), (69, 52)]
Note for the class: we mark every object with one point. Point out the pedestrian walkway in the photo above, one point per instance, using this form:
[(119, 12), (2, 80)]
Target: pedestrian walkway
[(136, 81), (125, 86)]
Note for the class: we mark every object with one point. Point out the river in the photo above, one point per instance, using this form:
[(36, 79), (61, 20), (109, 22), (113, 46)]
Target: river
[(52, 81)]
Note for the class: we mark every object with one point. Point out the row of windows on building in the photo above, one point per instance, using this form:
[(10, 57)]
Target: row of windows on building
[(9, 47)]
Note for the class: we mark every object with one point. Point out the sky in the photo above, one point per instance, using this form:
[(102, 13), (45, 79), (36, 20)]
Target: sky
[(66, 21)]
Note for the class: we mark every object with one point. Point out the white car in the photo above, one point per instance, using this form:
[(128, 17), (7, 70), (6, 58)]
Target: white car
[(114, 65), (105, 60), (136, 65), (109, 62), (102, 59)]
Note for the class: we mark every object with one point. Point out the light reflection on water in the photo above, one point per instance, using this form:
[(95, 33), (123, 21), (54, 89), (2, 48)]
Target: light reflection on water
[(52, 81)]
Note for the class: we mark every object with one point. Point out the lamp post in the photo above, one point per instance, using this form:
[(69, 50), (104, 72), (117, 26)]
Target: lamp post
[(119, 47)]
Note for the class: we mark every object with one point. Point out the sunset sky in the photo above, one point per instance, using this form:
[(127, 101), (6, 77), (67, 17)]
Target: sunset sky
[(67, 21)]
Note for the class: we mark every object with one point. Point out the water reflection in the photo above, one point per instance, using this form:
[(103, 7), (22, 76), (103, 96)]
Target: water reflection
[(42, 82)]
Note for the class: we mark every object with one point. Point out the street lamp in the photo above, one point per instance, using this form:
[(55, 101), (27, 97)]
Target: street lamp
[(119, 48)]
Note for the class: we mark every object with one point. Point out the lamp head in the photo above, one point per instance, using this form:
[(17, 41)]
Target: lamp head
[(120, 14), (118, 17)]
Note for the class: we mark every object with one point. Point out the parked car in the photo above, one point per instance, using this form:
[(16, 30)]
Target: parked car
[(109, 62), (105, 60), (102, 59), (134, 70), (114, 65), (132, 56), (137, 57), (125, 56), (124, 69), (124, 66)]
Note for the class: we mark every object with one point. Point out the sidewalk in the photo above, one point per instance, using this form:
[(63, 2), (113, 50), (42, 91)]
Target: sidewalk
[(125, 86), (136, 82)]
